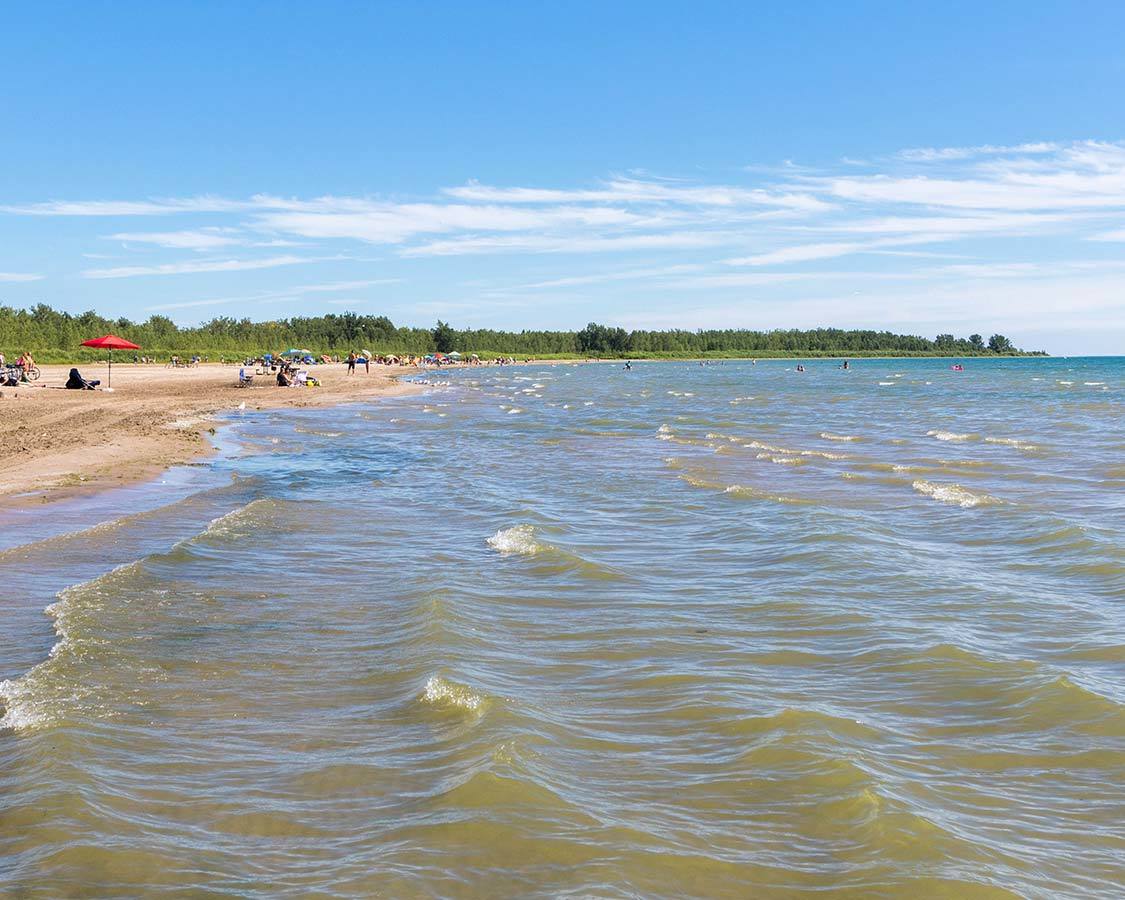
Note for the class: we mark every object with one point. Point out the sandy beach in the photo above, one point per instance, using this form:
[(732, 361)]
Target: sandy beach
[(60, 441)]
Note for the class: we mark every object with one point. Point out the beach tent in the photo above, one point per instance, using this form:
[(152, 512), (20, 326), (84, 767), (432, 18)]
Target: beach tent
[(454, 355), (110, 342)]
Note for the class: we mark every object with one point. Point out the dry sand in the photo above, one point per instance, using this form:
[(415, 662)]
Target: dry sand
[(58, 440)]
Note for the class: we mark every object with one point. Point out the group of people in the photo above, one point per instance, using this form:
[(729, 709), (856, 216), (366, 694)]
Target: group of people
[(19, 372), (287, 376)]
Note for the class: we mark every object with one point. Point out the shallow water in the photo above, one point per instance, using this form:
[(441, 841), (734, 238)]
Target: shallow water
[(722, 630)]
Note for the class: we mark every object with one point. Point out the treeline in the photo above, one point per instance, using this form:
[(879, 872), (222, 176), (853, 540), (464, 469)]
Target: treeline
[(54, 336)]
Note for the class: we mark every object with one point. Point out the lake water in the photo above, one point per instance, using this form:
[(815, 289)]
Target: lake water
[(570, 631)]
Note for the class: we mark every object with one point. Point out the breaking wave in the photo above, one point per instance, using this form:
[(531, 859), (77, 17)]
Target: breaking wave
[(445, 693), (953, 494), (950, 436), (517, 539)]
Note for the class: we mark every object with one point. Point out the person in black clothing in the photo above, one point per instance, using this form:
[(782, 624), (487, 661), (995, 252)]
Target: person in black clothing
[(77, 383)]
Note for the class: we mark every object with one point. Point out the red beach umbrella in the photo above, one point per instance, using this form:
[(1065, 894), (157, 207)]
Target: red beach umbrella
[(111, 342)]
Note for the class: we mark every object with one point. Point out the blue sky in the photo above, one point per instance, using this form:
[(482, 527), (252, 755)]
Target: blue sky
[(960, 168)]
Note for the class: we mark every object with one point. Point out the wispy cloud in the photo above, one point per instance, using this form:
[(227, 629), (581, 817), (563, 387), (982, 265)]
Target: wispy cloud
[(1116, 235), (644, 192), (603, 277), (20, 276), (574, 243), (290, 292), (946, 154), (180, 240), (114, 208), (202, 265), (997, 212)]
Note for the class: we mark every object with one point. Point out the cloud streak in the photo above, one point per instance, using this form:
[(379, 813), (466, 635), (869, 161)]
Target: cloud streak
[(197, 266)]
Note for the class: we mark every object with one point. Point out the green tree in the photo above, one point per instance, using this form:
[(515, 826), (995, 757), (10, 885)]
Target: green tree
[(999, 344), (445, 338), (976, 341)]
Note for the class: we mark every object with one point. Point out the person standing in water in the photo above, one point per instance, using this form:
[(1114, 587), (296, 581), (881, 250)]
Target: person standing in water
[(628, 366)]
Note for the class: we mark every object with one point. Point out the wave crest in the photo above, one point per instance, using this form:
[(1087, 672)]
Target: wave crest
[(443, 692), (517, 539), (953, 494)]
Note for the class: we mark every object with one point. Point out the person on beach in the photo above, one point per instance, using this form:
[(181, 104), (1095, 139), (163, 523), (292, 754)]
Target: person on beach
[(351, 362), (283, 379), (25, 362), (77, 383)]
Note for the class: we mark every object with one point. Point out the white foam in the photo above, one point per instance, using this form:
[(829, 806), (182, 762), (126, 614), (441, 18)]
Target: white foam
[(887, 383), (514, 410), (517, 539), (828, 436), (953, 494), (949, 436), (782, 460), (441, 692), (1012, 442), (20, 710)]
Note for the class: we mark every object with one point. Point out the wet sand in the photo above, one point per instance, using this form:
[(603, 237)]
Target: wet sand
[(61, 441)]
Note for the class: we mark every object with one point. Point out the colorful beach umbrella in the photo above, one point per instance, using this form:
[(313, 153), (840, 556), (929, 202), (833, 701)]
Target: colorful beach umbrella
[(111, 342)]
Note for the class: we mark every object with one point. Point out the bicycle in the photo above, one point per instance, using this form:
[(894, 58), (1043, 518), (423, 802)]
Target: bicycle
[(13, 372)]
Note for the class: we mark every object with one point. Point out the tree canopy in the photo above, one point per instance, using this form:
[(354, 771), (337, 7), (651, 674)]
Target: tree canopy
[(54, 335)]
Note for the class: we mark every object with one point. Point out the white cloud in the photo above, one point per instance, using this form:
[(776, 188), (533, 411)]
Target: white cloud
[(830, 250), (108, 208), (179, 240), (653, 235), (393, 224), (20, 276), (644, 192), (802, 253), (945, 154), (602, 277), (1118, 235), (1082, 176), (289, 293), (573, 243), (203, 265)]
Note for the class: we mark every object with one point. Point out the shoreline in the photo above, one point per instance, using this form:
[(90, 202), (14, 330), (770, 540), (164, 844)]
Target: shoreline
[(64, 444)]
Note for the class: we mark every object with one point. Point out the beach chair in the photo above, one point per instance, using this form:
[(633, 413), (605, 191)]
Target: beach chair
[(244, 380)]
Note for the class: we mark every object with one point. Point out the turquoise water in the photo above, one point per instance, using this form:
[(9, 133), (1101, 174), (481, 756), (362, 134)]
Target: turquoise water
[(723, 630)]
